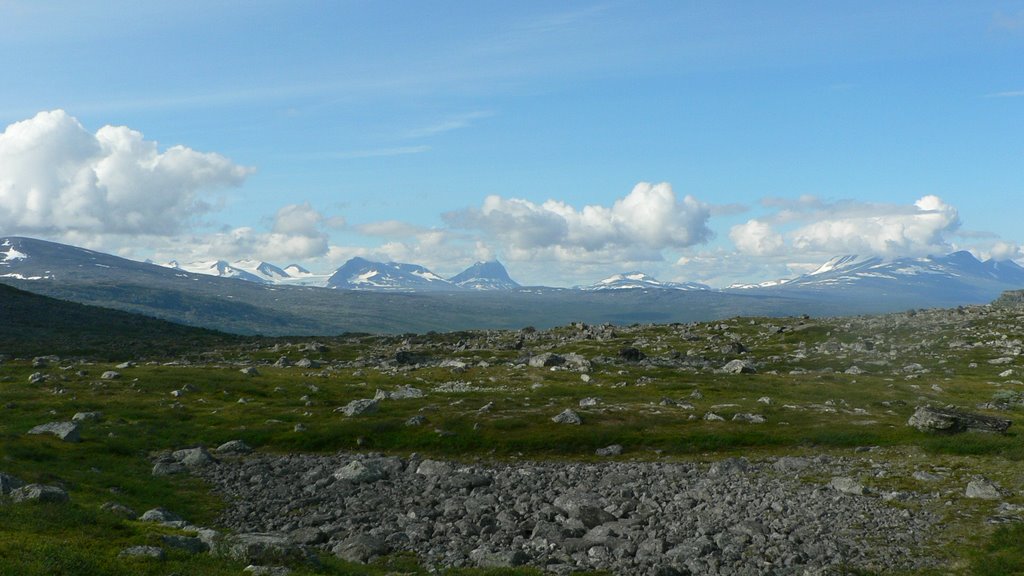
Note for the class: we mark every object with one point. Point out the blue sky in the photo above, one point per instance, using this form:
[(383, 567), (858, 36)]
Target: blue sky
[(710, 141)]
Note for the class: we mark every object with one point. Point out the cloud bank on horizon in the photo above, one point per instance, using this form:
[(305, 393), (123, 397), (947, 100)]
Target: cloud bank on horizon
[(117, 191)]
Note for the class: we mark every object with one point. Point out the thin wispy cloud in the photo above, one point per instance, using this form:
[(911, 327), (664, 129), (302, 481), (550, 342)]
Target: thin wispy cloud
[(448, 125), (379, 152)]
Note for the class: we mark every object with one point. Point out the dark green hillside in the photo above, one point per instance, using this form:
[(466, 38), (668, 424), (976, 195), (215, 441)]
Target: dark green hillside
[(33, 325)]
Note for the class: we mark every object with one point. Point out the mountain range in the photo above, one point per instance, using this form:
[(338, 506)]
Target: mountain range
[(253, 297)]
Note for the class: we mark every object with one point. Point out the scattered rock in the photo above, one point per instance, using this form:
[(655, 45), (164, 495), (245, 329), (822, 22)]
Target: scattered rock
[(262, 548), (361, 407), (39, 493), (982, 488), (750, 418), (739, 367), (267, 570), (66, 431), (233, 447), (193, 457), (110, 375), (120, 510), (36, 378), (142, 552), (87, 416), (613, 450), (250, 371), (546, 360), (160, 516), (567, 416), (360, 548), (951, 420), (847, 485)]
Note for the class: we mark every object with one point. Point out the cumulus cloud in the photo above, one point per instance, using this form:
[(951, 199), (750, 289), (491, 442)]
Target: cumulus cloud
[(756, 237), (58, 178), (647, 220), (297, 233), (888, 231), (818, 228)]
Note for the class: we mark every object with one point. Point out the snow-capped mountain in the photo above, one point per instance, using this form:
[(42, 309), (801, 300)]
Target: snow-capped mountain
[(639, 280), (222, 269), (484, 276), (926, 281), (361, 274)]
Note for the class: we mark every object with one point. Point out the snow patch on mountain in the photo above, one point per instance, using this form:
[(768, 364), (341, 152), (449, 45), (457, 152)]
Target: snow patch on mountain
[(639, 280)]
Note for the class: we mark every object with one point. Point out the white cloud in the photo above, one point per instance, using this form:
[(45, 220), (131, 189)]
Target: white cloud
[(58, 179), (644, 222), (756, 238), (885, 230), (815, 229), (297, 233)]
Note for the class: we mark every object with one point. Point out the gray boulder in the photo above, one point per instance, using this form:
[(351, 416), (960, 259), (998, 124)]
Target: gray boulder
[(567, 416), (613, 450), (233, 447), (847, 485), (120, 510), (486, 557), (739, 367), (361, 407), (951, 421), (39, 493), (66, 431), (110, 375), (142, 552), (983, 489), (193, 457), (360, 548), (546, 360), (159, 515), (86, 416), (262, 549)]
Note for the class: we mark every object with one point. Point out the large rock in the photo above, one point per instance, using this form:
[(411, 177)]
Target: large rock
[(489, 558), (66, 431), (546, 360), (39, 493), (193, 457), (148, 552), (262, 548), (739, 367), (360, 548), (233, 447), (951, 421), (361, 407), (567, 416), (983, 489), (369, 470)]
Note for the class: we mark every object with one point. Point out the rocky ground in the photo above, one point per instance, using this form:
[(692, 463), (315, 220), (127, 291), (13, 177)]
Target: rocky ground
[(788, 515)]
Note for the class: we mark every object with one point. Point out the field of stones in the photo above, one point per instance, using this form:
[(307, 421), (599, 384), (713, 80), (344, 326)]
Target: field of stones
[(860, 445)]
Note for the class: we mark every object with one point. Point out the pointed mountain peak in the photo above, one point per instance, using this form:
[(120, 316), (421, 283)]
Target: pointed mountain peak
[(489, 275)]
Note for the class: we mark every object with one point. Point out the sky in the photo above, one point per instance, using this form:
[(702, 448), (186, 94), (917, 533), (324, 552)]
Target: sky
[(719, 142)]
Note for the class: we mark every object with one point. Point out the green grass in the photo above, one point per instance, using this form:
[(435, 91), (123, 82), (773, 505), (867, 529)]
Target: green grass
[(820, 411)]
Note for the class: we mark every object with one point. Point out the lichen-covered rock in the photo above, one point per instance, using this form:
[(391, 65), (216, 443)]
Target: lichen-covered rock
[(142, 552), (39, 493), (567, 416), (66, 431), (951, 420), (361, 407)]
